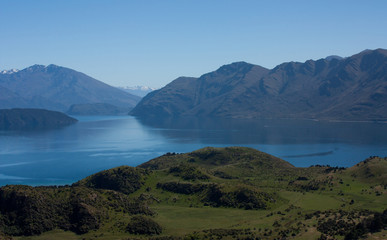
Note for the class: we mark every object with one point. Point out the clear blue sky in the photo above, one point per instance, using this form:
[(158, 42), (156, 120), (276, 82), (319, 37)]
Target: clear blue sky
[(127, 43)]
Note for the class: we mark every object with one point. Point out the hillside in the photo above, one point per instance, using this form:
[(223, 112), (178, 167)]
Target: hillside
[(372, 170), (211, 193), (352, 88), (57, 88), (29, 119), (96, 109)]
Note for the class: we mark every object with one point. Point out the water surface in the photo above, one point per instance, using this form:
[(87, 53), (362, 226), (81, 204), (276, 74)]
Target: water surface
[(63, 156)]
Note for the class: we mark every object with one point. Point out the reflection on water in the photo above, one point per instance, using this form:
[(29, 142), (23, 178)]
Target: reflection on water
[(269, 131), (310, 155), (66, 155)]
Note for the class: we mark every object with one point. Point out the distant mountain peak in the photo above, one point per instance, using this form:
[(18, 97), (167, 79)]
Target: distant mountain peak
[(40, 67), (138, 87), (376, 51), (53, 66), (239, 63), (138, 90), (236, 66), (11, 71), (381, 50), (35, 67), (332, 57)]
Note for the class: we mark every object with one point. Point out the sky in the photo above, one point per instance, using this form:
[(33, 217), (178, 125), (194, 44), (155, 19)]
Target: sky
[(151, 43)]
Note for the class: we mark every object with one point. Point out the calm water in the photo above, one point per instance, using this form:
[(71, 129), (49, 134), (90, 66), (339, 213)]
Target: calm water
[(66, 155)]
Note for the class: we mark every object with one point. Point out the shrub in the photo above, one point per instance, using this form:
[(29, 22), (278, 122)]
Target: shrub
[(122, 179), (241, 197), (143, 225), (188, 172), (182, 188)]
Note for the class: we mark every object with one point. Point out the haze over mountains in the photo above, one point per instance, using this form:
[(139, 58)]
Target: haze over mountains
[(58, 88), (140, 91), (353, 88)]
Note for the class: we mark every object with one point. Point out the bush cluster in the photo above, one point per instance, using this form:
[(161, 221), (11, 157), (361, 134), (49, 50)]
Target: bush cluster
[(241, 197), (122, 179), (350, 229), (188, 172), (143, 225), (28, 210), (182, 188)]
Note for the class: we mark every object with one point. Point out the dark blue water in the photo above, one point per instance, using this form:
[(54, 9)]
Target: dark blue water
[(66, 155)]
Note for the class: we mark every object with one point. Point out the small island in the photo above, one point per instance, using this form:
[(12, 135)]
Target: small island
[(30, 119)]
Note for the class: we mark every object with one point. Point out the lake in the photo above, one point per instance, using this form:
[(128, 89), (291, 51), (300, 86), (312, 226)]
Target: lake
[(63, 156)]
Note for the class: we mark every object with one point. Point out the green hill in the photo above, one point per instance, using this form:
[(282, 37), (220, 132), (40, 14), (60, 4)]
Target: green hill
[(371, 170), (211, 193), (121, 179)]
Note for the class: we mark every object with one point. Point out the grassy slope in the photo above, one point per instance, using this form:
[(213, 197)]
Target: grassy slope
[(299, 199)]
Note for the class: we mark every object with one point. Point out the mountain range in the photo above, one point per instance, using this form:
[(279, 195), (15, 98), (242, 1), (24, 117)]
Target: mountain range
[(58, 88), (334, 88)]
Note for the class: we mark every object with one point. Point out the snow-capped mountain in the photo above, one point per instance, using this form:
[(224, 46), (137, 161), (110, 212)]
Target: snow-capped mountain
[(9, 71), (140, 91)]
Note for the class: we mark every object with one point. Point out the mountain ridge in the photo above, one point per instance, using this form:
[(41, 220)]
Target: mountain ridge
[(57, 88), (352, 88)]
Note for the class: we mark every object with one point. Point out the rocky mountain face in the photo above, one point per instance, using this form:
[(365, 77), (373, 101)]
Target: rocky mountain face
[(353, 88), (57, 88)]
